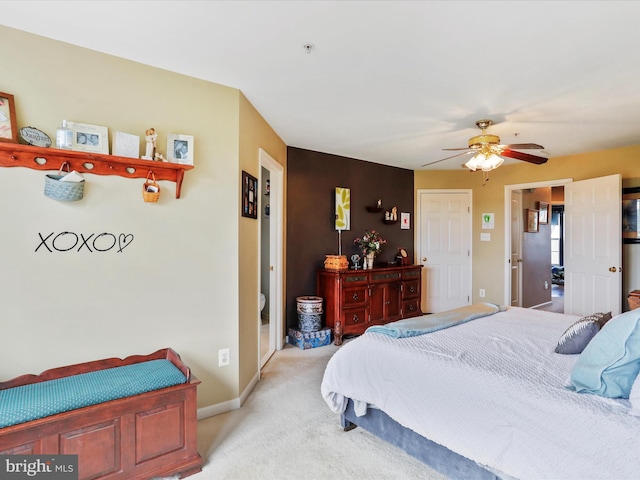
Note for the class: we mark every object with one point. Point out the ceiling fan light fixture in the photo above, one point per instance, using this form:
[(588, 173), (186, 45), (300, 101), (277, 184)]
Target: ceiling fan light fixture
[(484, 162)]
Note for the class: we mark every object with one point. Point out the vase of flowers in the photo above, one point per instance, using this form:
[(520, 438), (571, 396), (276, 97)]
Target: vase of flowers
[(370, 244)]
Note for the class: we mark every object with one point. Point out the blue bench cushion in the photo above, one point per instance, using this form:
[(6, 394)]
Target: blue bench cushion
[(39, 400)]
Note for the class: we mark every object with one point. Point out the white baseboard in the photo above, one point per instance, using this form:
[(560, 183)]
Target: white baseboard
[(229, 405)]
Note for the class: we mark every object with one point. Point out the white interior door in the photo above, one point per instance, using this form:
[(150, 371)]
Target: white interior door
[(593, 246), (444, 248), (516, 248)]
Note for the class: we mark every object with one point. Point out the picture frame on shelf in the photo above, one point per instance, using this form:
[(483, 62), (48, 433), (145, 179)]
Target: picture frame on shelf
[(89, 138), (249, 195), (532, 220), (180, 148), (543, 217), (8, 125)]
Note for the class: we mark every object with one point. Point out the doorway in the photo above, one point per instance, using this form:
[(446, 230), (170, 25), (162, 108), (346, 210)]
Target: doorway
[(514, 283), (270, 318), (592, 238)]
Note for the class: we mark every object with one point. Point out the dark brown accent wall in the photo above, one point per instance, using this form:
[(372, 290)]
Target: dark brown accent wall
[(311, 181), (536, 253)]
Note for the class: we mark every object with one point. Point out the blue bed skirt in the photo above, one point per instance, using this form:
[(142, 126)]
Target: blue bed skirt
[(436, 456)]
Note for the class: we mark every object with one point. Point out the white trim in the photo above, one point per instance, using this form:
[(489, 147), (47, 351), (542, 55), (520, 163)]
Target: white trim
[(229, 405), (507, 226), (276, 216)]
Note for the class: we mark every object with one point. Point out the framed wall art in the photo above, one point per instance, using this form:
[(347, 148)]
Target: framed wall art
[(89, 138), (532, 221), (180, 148), (249, 195), (8, 127), (631, 215), (543, 216)]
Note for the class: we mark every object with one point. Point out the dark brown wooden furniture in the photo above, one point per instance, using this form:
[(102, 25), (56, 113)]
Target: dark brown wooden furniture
[(148, 435), (357, 299)]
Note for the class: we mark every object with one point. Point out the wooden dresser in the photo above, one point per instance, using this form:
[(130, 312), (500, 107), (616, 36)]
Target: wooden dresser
[(357, 299)]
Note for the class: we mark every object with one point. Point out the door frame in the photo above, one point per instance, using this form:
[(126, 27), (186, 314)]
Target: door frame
[(507, 230), (418, 228), (276, 254)]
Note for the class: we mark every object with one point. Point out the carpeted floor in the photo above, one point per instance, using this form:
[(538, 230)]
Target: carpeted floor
[(285, 430)]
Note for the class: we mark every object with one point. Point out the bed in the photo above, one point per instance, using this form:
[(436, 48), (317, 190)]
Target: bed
[(490, 397)]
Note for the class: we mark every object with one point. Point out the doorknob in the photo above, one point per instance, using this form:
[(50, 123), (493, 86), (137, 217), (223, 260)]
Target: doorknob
[(519, 260), (271, 268), (424, 259), (613, 269)]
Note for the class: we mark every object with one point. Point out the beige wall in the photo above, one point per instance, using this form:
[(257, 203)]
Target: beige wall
[(177, 284), (489, 257), (255, 133)]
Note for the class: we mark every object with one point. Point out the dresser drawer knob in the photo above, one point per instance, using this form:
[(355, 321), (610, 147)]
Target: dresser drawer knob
[(355, 296), (355, 318)]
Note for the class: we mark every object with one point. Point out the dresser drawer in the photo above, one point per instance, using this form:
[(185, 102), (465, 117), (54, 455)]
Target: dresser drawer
[(411, 308), (350, 279), (354, 296), (411, 273), (379, 277), (355, 316), (411, 289)]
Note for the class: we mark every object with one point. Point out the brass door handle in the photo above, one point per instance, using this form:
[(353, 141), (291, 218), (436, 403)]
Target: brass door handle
[(424, 259), (613, 269)]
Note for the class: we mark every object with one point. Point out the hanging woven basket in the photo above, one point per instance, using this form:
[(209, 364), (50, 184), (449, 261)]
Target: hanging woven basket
[(63, 191), (150, 189)]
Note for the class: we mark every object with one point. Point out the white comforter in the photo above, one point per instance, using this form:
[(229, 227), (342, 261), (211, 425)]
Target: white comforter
[(494, 391)]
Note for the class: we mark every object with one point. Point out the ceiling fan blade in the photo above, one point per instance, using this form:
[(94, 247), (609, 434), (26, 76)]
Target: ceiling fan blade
[(523, 146), (527, 157), (447, 158)]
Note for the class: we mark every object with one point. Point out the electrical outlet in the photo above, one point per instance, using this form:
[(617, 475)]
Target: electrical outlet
[(482, 293), (223, 357)]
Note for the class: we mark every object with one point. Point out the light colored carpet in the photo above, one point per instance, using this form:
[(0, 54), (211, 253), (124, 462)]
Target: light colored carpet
[(285, 430)]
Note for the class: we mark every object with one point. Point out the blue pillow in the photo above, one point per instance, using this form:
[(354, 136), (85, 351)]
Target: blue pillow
[(610, 362)]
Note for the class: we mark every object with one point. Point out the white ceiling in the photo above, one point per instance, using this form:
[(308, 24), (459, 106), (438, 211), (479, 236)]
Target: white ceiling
[(393, 82)]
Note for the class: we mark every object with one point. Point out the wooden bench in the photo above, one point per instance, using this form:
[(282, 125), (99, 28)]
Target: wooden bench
[(152, 434)]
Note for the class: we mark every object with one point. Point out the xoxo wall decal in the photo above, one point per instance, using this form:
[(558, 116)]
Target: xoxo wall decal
[(68, 241)]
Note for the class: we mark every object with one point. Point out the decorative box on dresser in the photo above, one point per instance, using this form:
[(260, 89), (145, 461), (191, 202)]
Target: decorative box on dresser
[(357, 299)]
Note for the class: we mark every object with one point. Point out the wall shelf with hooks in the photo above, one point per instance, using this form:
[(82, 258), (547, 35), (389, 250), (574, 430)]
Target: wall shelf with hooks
[(39, 158)]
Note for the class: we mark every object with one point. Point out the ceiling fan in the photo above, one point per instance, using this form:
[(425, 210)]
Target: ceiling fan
[(488, 151)]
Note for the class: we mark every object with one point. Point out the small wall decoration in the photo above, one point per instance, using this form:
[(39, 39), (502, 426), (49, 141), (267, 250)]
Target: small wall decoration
[(543, 208), (93, 242), (488, 221), (180, 148), (532, 220), (249, 195), (405, 221), (343, 208), (631, 215), (89, 138), (8, 126)]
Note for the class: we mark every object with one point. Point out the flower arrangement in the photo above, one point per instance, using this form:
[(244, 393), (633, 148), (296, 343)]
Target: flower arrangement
[(370, 242)]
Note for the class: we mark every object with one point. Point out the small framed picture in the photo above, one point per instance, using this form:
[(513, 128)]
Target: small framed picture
[(180, 148), (249, 195), (89, 138), (8, 127), (532, 220), (543, 207)]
